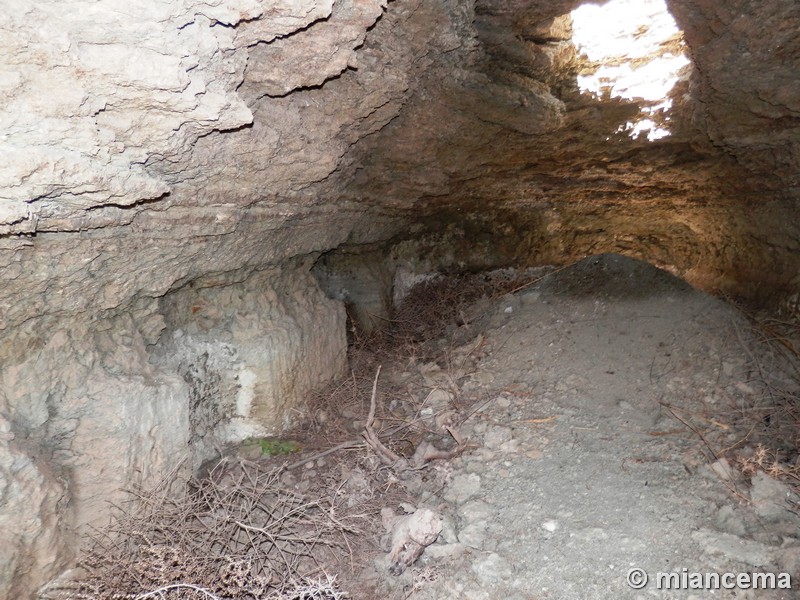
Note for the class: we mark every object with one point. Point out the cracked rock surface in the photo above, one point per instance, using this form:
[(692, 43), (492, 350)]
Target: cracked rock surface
[(171, 172)]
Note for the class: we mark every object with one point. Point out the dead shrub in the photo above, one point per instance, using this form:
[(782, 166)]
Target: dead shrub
[(433, 309), (238, 535), (775, 432)]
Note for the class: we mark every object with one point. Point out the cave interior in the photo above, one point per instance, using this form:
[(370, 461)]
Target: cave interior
[(202, 202)]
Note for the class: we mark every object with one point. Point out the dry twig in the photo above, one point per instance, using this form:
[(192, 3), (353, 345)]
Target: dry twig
[(386, 456), (239, 535)]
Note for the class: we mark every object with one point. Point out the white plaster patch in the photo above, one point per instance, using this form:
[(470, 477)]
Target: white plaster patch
[(244, 399)]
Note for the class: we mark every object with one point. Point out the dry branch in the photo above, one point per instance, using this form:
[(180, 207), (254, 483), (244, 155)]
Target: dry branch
[(239, 535), (386, 456)]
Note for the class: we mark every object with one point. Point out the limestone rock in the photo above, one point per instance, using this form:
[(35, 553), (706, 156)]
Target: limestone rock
[(411, 534), (34, 499), (277, 68), (245, 352), (773, 500), (169, 177)]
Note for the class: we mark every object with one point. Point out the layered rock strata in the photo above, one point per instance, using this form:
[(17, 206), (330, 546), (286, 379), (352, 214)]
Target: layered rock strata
[(171, 175)]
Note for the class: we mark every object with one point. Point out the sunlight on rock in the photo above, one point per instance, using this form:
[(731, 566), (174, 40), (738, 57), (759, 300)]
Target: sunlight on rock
[(637, 51)]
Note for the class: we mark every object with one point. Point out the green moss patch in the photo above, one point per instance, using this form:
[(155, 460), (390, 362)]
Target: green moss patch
[(272, 446)]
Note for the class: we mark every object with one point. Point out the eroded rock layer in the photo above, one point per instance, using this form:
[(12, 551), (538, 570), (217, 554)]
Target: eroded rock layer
[(170, 175)]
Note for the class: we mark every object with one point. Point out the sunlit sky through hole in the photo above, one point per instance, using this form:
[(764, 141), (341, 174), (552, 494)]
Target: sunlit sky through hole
[(616, 35)]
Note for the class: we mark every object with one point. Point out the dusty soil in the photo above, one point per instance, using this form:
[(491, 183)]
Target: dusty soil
[(614, 416)]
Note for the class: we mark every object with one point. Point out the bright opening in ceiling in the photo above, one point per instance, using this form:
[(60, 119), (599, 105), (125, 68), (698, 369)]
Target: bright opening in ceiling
[(638, 52)]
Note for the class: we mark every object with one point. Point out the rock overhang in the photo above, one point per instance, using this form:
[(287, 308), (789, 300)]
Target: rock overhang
[(145, 156)]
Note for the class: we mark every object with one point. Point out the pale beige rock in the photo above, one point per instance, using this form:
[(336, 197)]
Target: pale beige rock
[(90, 96), (213, 149), (250, 352), (410, 535), (33, 498), (277, 68)]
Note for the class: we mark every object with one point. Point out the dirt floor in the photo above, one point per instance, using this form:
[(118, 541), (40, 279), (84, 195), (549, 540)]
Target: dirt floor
[(617, 419), (541, 437)]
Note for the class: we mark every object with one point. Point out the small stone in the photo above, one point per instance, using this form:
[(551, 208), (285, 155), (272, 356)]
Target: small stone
[(728, 521), (249, 451), (463, 488), (770, 498), (502, 401), (491, 569), (440, 551), (733, 547), (497, 436), (482, 377), (482, 456), (429, 367), (408, 508), (438, 399), (476, 510), (722, 469), (473, 536), (510, 447), (449, 534), (550, 525)]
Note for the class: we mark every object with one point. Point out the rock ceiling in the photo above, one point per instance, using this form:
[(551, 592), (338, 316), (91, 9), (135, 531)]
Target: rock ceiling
[(218, 119), (169, 175)]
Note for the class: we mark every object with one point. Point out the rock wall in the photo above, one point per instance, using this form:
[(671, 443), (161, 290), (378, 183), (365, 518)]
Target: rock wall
[(745, 88), (155, 295), (105, 404), (171, 173), (699, 202), (250, 347), (86, 413)]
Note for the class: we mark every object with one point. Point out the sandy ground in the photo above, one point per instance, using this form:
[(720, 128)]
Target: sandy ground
[(602, 406)]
